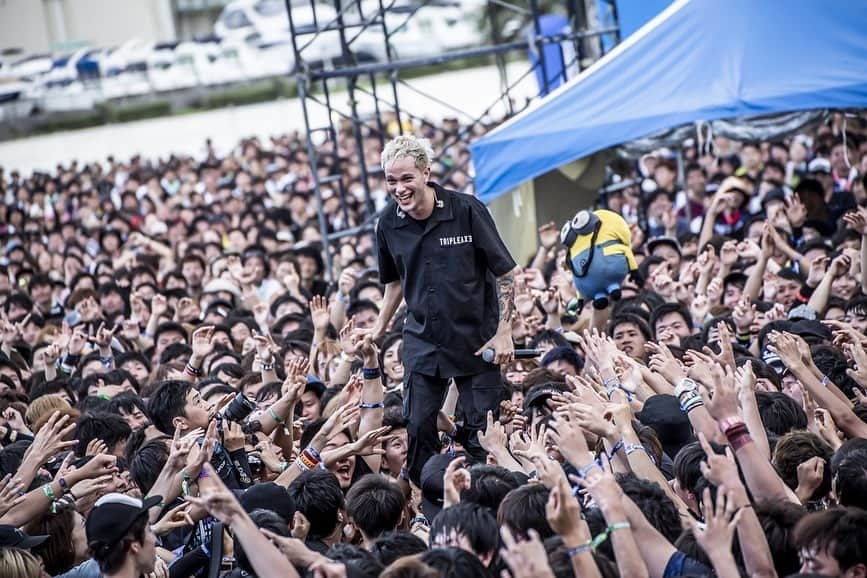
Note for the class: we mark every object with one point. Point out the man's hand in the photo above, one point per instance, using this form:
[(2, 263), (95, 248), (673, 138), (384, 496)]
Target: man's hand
[(367, 350), (549, 234), (493, 439), (526, 559), (720, 520), (724, 402), (219, 502), (504, 348), (50, 438), (319, 313), (202, 343), (810, 476), (455, 480), (233, 436)]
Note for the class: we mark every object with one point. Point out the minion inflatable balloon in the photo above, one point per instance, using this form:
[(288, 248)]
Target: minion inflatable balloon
[(599, 254)]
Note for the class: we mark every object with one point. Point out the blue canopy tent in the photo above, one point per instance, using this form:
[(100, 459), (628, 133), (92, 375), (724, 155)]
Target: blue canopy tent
[(698, 60)]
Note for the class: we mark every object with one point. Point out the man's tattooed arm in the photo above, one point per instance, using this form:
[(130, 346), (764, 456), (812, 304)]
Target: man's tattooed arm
[(506, 299)]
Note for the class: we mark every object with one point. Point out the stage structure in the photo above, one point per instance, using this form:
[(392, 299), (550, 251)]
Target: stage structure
[(370, 68)]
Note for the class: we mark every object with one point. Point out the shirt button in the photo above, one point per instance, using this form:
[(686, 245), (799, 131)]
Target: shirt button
[(432, 290)]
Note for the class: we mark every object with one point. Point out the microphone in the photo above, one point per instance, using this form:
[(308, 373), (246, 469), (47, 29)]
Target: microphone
[(489, 354)]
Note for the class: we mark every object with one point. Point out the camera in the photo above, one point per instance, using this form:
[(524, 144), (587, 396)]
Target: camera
[(239, 408)]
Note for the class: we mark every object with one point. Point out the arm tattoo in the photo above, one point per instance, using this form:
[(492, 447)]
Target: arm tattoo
[(506, 296)]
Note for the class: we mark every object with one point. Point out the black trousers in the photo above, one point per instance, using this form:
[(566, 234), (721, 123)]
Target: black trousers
[(423, 397)]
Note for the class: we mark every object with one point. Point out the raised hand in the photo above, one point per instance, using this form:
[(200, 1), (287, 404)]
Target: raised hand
[(455, 480), (202, 342), (493, 439), (719, 470), (857, 221), (549, 234), (347, 344), (319, 312), (724, 402), (177, 517), (527, 558), (11, 493), (720, 521), (218, 501), (563, 511), (50, 438)]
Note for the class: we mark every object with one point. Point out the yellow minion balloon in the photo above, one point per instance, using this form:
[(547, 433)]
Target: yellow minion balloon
[(599, 254)]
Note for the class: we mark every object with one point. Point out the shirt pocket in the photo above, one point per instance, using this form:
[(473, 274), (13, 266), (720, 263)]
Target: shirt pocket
[(458, 263)]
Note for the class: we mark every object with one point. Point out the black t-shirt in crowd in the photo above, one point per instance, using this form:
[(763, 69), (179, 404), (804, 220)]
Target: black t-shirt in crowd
[(447, 266)]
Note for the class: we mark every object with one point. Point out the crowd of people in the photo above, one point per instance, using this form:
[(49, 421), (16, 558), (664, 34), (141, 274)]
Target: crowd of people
[(183, 392)]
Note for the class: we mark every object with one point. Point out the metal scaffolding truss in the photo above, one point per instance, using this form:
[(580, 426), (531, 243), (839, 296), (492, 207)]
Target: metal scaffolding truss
[(362, 77)]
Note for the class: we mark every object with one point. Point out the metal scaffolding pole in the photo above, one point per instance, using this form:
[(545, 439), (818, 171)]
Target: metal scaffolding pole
[(316, 88)]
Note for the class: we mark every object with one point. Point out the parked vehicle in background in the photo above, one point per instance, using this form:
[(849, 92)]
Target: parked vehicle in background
[(125, 70), (169, 69), (15, 98), (31, 67)]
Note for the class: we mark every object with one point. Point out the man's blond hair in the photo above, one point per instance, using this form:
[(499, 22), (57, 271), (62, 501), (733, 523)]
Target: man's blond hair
[(407, 145)]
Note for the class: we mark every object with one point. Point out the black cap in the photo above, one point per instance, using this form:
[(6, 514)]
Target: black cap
[(431, 483), (670, 241), (269, 496), (662, 412), (539, 394), (12, 537), (112, 516), (773, 195)]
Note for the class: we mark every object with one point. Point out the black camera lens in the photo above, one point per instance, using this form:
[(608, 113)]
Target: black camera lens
[(239, 408)]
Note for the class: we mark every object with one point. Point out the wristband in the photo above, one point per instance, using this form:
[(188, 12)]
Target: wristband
[(274, 416), (266, 366), (194, 371), (598, 540), (313, 453), (371, 373), (580, 549), (185, 482), (63, 485), (615, 449), (740, 440), (630, 448), (686, 384), (582, 473), (49, 493), (727, 423), (301, 465), (376, 405), (611, 380), (825, 380), (106, 361), (284, 466)]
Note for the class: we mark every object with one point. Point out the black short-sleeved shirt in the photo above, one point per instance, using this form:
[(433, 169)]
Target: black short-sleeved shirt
[(447, 266)]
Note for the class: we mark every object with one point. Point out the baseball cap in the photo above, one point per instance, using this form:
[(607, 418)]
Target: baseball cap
[(656, 242), (112, 516), (819, 165), (774, 195), (269, 496), (539, 394), (662, 413), (12, 537), (431, 482)]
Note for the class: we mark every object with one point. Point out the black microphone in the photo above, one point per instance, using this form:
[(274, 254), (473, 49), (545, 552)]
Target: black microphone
[(489, 354)]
